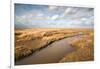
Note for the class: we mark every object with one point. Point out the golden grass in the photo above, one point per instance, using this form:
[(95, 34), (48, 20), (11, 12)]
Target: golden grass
[(84, 50), (21, 52), (27, 41)]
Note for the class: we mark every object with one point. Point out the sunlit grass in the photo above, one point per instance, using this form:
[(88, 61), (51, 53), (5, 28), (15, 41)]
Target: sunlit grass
[(21, 52), (84, 50), (27, 41)]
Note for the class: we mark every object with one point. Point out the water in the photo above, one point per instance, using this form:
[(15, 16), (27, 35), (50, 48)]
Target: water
[(51, 54)]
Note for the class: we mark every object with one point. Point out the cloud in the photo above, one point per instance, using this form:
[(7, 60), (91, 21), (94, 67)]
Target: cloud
[(68, 10), (59, 16), (19, 19), (53, 7), (54, 17), (40, 14)]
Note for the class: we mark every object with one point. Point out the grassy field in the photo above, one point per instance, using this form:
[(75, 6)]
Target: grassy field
[(28, 41), (84, 50)]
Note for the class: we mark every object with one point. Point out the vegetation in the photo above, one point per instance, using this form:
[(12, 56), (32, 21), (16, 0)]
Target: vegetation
[(84, 50), (27, 41), (21, 52)]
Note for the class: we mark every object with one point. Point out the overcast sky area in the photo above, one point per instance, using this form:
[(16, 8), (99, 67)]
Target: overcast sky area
[(48, 16)]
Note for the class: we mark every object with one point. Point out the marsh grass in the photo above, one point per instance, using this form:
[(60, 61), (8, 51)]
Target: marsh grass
[(84, 50), (28, 41), (21, 52)]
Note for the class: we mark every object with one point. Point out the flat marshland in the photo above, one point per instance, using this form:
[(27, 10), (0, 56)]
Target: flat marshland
[(84, 50), (28, 41)]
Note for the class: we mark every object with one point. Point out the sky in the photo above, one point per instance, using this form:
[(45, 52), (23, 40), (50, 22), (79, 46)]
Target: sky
[(51, 16)]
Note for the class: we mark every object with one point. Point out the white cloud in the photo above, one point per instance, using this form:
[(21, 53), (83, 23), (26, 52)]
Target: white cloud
[(54, 17), (57, 16), (18, 19), (52, 7), (68, 10), (84, 19), (40, 14), (87, 21)]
